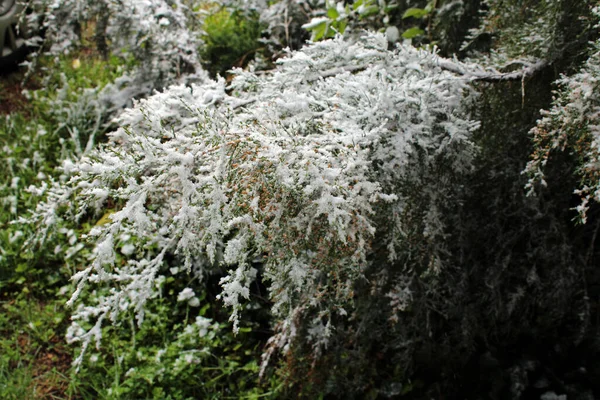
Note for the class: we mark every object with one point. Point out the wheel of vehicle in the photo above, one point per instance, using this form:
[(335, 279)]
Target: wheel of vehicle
[(13, 47)]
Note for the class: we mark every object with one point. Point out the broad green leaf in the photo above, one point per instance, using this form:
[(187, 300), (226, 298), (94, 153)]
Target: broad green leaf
[(415, 13), (204, 309), (319, 31), (369, 10), (389, 8), (333, 13), (412, 32), (105, 218), (430, 6)]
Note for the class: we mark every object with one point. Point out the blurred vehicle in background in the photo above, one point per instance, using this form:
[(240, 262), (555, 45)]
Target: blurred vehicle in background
[(13, 47)]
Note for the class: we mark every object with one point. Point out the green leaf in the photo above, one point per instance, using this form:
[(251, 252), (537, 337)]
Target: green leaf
[(415, 13), (204, 309), (389, 8), (105, 218), (412, 32), (22, 267), (430, 6), (319, 31), (369, 10), (333, 13)]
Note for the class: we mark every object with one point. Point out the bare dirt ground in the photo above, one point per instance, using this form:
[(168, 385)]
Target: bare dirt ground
[(11, 93)]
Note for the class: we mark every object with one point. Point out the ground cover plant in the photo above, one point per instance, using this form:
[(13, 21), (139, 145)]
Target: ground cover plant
[(353, 218)]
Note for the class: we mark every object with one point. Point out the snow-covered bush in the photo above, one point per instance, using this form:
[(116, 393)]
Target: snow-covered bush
[(342, 157), (153, 35), (573, 125), (519, 29), (512, 34)]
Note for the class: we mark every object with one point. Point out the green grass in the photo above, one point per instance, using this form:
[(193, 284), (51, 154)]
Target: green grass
[(34, 361)]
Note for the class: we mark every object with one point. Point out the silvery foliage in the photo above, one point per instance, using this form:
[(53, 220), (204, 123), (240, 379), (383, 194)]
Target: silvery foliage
[(572, 124), (155, 34), (536, 38), (530, 37), (80, 116), (299, 175), (520, 32)]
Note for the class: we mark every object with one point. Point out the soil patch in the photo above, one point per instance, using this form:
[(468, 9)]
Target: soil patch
[(12, 99)]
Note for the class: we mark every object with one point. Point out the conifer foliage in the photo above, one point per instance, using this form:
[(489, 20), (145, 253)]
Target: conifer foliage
[(375, 189), (572, 124), (156, 36), (290, 175)]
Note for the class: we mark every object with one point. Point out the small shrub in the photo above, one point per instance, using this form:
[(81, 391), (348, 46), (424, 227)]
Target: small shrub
[(230, 40), (301, 178)]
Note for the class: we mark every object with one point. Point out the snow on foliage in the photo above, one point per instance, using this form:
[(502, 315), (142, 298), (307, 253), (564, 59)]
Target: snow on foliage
[(298, 176), (154, 34), (519, 30), (573, 124)]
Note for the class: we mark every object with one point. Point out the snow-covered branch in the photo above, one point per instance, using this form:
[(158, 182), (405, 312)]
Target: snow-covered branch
[(299, 169)]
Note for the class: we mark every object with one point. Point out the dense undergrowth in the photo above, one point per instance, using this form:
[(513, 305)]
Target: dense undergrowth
[(186, 350), (344, 219)]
